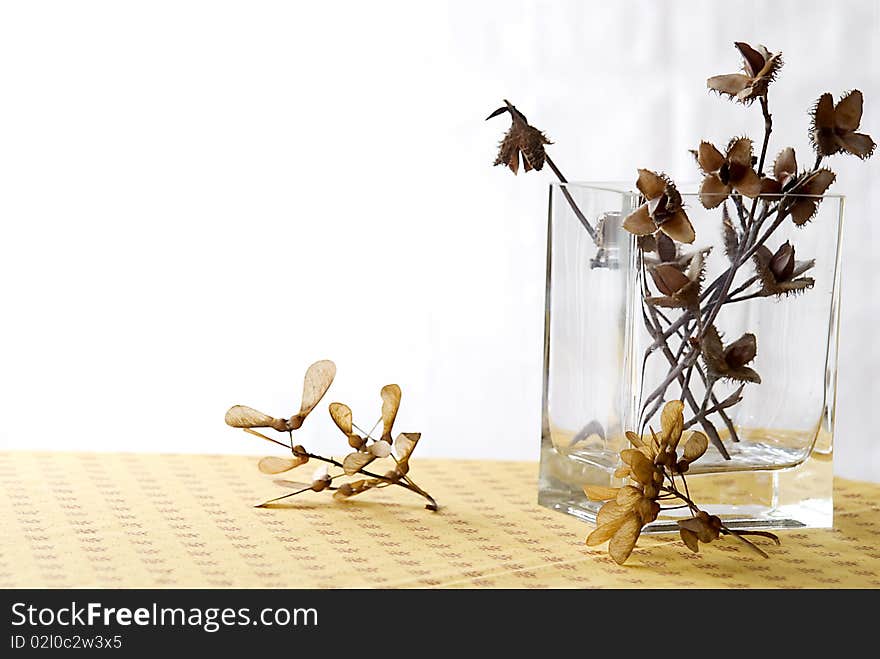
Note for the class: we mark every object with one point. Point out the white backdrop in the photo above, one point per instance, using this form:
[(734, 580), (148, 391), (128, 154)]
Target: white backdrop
[(200, 198)]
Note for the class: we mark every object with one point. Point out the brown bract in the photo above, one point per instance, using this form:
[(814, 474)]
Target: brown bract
[(662, 209), (521, 141), (784, 173), (834, 126), (808, 193), (780, 273), (801, 193), (678, 282), (729, 362), (727, 173), (760, 67)]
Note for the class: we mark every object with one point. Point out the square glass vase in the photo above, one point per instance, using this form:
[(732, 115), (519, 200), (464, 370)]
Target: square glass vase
[(602, 363)]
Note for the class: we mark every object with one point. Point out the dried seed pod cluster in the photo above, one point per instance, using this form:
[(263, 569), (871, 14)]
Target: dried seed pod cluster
[(754, 204), (318, 379), (656, 466)]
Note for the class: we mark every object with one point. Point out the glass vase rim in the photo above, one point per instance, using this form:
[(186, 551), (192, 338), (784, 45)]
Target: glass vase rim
[(688, 189)]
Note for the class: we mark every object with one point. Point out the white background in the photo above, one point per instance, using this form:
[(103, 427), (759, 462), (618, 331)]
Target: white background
[(199, 199)]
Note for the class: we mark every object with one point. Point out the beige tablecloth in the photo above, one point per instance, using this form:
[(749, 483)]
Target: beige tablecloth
[(122, 520)]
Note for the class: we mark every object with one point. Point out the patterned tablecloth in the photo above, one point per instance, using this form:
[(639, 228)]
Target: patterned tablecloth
[(165, 521)]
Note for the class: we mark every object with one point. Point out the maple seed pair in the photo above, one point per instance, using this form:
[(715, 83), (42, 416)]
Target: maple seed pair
[(317, 381)]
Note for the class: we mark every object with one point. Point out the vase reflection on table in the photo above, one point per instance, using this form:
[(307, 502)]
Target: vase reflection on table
[(606, 352)]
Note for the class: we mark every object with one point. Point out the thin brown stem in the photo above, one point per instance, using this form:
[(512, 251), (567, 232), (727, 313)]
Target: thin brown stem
[(571, 202), (689, 398)]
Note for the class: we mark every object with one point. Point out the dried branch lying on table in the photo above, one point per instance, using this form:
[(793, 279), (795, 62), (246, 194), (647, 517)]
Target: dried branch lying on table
[(691, 343), (318, 379)]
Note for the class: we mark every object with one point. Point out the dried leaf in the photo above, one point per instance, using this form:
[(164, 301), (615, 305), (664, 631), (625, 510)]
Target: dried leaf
[(390, 404)]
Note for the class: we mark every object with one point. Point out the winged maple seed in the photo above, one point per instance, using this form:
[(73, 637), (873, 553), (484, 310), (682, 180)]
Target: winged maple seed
[(318, 379), (655, 465), (366, 448)]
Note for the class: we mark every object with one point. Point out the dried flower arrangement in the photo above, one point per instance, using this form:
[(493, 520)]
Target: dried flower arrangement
[(318, 379), (691, 343)]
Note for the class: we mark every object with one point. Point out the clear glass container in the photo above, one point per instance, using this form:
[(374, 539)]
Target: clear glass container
[(599, 372)]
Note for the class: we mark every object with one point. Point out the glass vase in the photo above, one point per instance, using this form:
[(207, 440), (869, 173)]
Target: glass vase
[(603, 362)]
